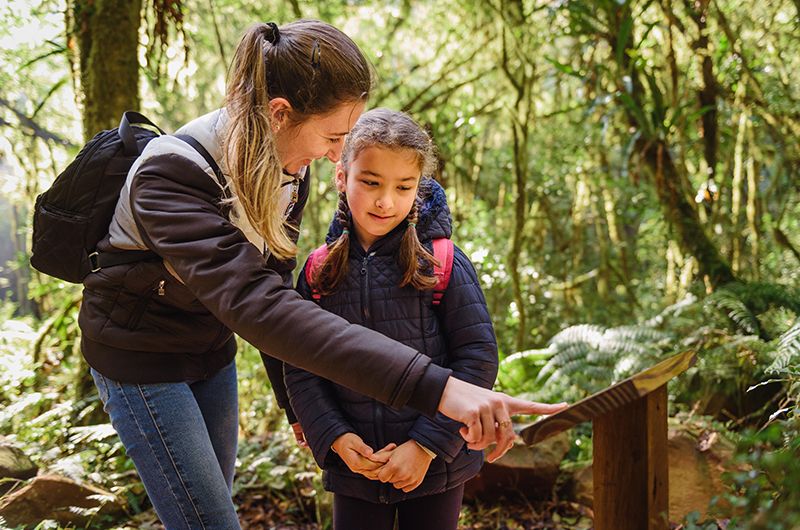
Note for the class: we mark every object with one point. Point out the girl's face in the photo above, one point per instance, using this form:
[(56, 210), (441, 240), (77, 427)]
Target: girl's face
[(381, 186), (313, 138)]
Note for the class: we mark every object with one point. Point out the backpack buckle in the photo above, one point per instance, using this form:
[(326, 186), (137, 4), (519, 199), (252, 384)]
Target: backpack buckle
[(93, 261)]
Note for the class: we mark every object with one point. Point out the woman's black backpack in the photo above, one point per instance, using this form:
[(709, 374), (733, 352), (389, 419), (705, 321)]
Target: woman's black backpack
[(71, 217)]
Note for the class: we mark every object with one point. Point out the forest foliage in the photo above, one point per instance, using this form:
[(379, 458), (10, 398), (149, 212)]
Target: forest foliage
[(623, 174)]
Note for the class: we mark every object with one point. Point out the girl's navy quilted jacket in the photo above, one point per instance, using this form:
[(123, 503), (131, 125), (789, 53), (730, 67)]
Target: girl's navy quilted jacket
[(457, 334)]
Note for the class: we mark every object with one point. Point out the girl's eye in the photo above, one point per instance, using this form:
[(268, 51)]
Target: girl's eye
[(369, 182), (404, 188)]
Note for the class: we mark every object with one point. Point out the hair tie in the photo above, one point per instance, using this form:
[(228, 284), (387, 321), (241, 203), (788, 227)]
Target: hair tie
[(413, 225), (273, 36), (345, 231)]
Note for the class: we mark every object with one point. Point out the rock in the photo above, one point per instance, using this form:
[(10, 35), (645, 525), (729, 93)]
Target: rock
[(583, 485), (696, 463), (530, 471), (51, 497), (14, 464), (695, 472)]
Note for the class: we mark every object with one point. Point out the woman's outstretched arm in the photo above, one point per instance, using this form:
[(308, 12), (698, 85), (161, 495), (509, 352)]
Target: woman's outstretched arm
[(174, 205)]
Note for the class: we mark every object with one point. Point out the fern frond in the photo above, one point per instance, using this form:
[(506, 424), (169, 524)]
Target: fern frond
[(760, 296), (567, 353), (788, 351), (531, 355), (588, 333), (674, 310), (641, 334), (727, 302), (91, 433)]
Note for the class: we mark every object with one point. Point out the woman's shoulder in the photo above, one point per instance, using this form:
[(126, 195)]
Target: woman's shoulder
[(168, 147), (176, 161)]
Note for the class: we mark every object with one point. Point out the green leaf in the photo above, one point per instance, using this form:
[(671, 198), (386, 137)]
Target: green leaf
[(624, 35), (564, 68)]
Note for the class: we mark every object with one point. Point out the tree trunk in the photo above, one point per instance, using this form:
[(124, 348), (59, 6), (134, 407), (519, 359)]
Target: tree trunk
[(669, 182), (681, 215), (698, 11), (107, 32)]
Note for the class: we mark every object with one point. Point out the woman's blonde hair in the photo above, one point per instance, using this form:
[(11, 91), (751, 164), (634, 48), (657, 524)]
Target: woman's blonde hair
[(316, 68)]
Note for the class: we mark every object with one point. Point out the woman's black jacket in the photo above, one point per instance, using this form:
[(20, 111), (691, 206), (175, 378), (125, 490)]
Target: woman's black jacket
[(143, 323)]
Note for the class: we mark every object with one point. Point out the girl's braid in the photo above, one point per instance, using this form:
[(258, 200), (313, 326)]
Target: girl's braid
[(343, 212), (334, 268)]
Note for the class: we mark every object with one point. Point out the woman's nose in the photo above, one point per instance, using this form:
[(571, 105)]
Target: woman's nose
[(334, 153)]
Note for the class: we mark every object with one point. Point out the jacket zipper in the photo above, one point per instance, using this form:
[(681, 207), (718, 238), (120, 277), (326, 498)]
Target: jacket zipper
[(141, 305), (377, 408), (365, 312)]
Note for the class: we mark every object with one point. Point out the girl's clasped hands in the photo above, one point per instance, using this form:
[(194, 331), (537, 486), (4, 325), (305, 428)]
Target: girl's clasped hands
[(404, 465)]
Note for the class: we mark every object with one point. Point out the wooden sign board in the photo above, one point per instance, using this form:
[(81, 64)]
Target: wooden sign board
[(629, 440), (610, 399)]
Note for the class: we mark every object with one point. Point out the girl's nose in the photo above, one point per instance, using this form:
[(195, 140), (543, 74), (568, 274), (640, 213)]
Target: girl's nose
[(384, 202)]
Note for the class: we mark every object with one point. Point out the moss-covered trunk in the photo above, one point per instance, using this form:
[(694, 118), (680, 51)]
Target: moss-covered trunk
[(682, 215), (107, 34)]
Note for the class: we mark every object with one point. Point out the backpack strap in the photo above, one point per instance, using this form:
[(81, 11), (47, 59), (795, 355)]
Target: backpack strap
[(443, 251), (129, 119), (315, 259), (209, 159)]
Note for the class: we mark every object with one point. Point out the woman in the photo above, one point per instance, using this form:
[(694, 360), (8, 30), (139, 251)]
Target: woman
[(158, 334)]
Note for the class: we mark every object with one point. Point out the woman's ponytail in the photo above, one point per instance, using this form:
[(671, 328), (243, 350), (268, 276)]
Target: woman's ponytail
[(316, 68), (250, 150)]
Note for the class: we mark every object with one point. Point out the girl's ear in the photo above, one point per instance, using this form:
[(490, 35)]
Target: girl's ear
[(279, 110), (341, 178)]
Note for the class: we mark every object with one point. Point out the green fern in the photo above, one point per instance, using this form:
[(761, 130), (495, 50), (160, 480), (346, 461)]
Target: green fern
[(91, 433), (730, 304), (591, 357), (744, 303), (788, 351)]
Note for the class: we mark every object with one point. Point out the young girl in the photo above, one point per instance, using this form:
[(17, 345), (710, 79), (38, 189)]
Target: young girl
[(382, 462)]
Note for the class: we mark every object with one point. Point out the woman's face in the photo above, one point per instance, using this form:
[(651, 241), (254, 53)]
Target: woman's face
[(315, 137), (381, 186)]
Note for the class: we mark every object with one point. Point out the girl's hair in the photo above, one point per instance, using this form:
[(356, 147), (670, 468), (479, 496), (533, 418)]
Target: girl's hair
[(397, 131), (316, 68)]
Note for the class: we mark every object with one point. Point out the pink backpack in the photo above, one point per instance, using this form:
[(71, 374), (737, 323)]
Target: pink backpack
[(442, 251)]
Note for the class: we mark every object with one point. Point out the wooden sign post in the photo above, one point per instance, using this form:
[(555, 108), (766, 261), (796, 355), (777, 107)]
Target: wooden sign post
[(629, 437)]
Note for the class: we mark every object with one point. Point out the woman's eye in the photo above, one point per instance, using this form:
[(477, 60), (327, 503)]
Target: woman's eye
[(334, 140)]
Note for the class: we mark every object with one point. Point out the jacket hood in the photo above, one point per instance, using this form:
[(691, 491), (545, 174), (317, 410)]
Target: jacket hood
[(434, 216)]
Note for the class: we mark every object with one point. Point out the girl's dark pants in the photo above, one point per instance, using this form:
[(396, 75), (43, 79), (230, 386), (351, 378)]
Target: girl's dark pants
[(431, 512)]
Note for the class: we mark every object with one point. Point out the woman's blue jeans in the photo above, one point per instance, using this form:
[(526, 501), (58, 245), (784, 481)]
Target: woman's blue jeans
[(182, 438)]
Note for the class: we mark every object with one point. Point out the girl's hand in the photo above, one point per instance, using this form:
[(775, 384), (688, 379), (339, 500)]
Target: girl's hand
[(486, 414), (406, 466), (299, 435), (359, 457)]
